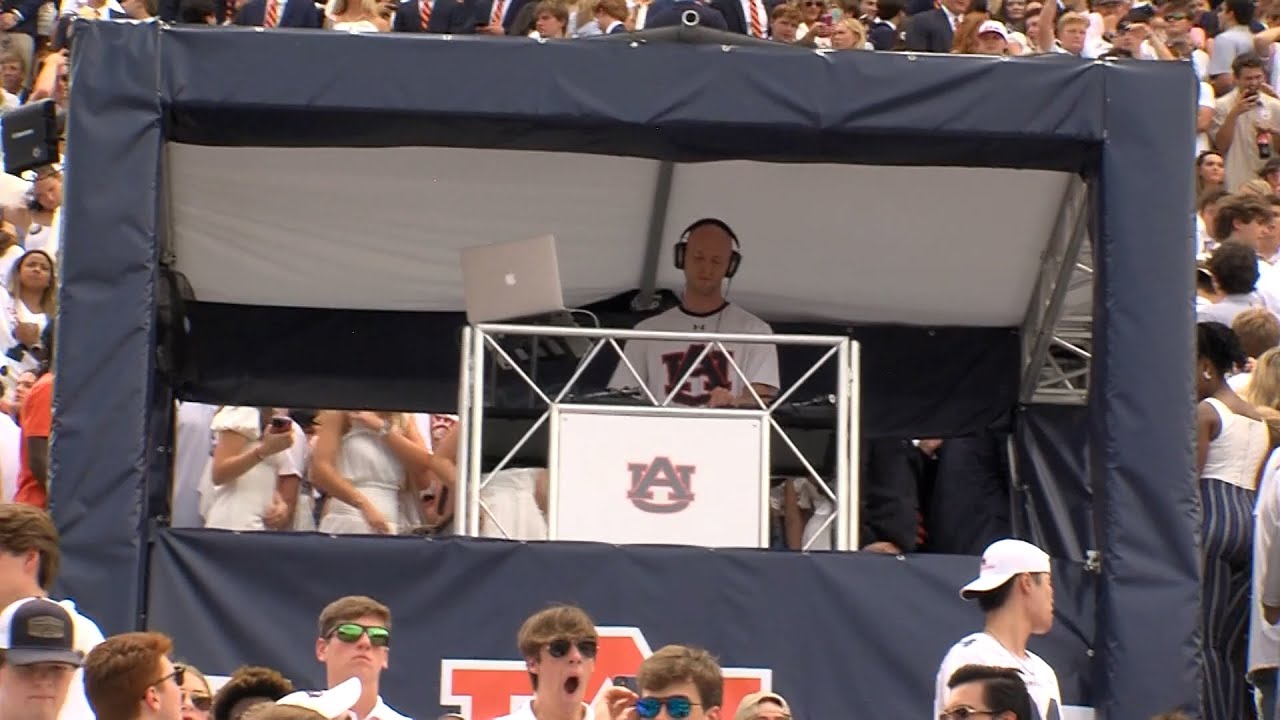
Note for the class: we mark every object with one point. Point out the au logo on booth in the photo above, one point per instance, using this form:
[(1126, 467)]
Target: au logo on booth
[(486, 689), (658, 474)]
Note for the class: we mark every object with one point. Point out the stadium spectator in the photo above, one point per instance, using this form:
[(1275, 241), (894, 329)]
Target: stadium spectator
[(1232, 442), (1014, 589), (1235, 41), (248, 687), (753, 19), (412, 16), (848, 34), (29, 561), (279, 13), (763, 706), (611, 16), (784, 23), (1245, 220), (1264, 637), (885, 32), (253, 478), (1206, 211), (46, 210), (550, 20), (38, 659), (364, 461), (992, 38), (197, 696), (356, 16), (198, 12), (1245, 119), (677, 681), (995, 692), (559, 646), (36, 422), (130, 677), (934, 30), (1259, 331), (31, 301), (1234, 267), (15, 75), (1210, 171), (1263, 388), (355, 642)]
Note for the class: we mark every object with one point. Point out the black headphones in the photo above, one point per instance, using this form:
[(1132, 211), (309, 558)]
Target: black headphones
[(735, 258)]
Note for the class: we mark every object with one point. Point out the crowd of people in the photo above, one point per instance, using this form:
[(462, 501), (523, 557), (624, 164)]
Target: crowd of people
[(55, 664), (336, 471)]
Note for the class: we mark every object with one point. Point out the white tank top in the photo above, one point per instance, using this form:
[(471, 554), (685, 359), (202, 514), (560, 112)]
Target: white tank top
[(1239, 450)]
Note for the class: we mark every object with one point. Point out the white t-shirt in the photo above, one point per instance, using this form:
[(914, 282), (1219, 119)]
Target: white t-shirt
[(983, 649), (192, 448), (87, 637), (10, 456), (526, 713), (1264, 638), (661, 363)]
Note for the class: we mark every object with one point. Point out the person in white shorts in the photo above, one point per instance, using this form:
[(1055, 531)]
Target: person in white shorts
[(559, 648), (1014, 588), (708, 254)]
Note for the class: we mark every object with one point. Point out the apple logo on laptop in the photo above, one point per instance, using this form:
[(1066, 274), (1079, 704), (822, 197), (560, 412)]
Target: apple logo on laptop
[(510, 279)]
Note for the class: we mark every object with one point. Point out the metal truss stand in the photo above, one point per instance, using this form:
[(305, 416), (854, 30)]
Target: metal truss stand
[(481, 340), (1057, 332)]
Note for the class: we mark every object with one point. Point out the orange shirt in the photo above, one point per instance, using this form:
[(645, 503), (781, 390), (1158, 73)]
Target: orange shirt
[(36, 421)]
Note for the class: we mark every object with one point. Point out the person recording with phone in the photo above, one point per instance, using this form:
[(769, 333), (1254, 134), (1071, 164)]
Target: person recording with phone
[(708, 253), (250, 474), (1246, 122)]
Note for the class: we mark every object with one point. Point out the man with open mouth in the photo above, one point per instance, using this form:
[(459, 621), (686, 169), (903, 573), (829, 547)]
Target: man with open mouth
[(559, 648)]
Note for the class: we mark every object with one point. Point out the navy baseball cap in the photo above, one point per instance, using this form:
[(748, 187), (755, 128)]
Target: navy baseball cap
[(36, 630)]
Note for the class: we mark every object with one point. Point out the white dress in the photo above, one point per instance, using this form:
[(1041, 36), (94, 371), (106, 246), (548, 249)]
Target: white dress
[(240, 503), (365, 461)]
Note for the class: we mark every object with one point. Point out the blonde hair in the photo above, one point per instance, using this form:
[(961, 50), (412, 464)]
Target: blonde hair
[(857, 28), (1264, 383)]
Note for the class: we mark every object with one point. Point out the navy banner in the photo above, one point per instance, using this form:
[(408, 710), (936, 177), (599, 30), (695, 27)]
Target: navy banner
[(841, 635)]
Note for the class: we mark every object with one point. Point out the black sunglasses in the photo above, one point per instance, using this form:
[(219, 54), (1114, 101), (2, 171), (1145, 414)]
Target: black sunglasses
[(560, 647), (179, 676), (964, 714), (199, 701), (678, 707)]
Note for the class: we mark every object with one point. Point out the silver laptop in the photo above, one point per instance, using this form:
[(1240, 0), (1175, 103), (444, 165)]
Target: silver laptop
[(512, 280)]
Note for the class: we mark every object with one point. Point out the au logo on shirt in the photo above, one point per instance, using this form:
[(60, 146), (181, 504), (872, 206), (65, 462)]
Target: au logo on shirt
[(656, 475)]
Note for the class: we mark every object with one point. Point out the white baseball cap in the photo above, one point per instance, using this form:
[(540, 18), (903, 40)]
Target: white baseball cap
[(992, 26), (335, 702), (1002, 560)]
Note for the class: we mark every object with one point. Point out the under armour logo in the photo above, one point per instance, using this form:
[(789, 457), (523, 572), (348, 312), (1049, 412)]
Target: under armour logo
[(699, 327)]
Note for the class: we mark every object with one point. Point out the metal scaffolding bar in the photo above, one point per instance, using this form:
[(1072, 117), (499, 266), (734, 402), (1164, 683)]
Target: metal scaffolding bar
[(479, 340)]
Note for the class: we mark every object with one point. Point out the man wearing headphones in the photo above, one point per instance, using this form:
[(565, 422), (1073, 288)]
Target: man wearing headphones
[(708, 255)]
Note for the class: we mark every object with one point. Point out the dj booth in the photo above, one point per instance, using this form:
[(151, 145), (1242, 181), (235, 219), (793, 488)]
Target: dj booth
[(632, 467)]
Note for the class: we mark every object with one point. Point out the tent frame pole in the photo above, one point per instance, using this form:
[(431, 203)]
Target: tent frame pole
[(646, 299), (1046, 324)]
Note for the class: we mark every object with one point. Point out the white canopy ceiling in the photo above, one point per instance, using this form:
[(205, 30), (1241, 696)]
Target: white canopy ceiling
[(382, 229)]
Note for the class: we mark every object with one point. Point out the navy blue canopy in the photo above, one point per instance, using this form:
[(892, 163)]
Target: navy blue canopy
[(253, 163)]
